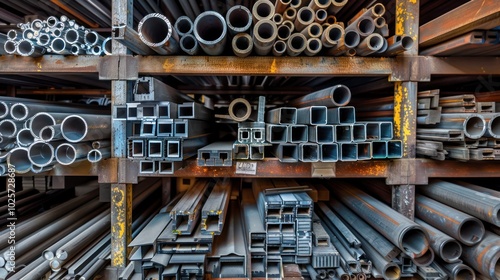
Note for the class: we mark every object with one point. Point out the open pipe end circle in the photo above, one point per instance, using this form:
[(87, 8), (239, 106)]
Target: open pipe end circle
[(239, 18), (41, 153), (426, 259), (47, 133), (24, 137), (265, 31), (65, 155), (351, 39), (463, 272), (154, 30), (19, 158), (314, 45), (10, 46), (4, 109), (183, 25), (474, 126), (240, 109), (94, 156), (450, 251), (242, 44), (74, 128), (340, 95), (188, 43), (378, 10), (392, 272), (494, 126), (25, 48), (210, 30), (414, 241), (263, 9), (471, 231), (39, 121), (407, 42), (366, 26), (19, 111), (306, 15), (8, 128)]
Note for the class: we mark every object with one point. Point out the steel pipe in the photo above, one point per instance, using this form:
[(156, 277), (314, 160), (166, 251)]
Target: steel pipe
[(364, 26), (210, 29), (59, 46), (319, 4), (290, 14), (475, 203), (10, 46), (485, 256), (305, 16), (296, 44), (242, 44), (426, 259), (406, 234), (320, 16), (459, 225), (24, 137), (131, 39), (313, 30), (194, 7), (156, 31), (107, 46), (473, 125), (284, 32), (336, 6), (263, 10), (7, 143), (41, 154), (332, 35), (4, 109), (183, 26), (189, 44), (9, 128), (282, 5), (96, 155), (264, 36), (67, 153), (19, 158), (371, 44), (493, 125), (51, 133), (238, 19), (447, 248), (41, 120), (350, 40), (279, 48), (313, 47), (186, 7), (336, 96), (73, 36), (173, 8), (77, 128), (399, 44), (28, 48), (458, 271)]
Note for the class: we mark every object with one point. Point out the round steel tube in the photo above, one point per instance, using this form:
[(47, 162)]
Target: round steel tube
[(363, 25), (28, 48), (296, 44), (480, 205), (290, 14), (242, 44), (279, 48), (296, 4), (12, 35), (37, 24), (24, 137), (281, 6), (451, 221), (29, 34), (238, 19), (8, 128), (284, 32), (320, 16), (278, 19), (336, 6), (101, 144), (67, 153), (458, 271), (493, 125), (72, 35), (173, 8), (187, 9), (96, 50), (331, 20), (43, 39), (4, 109), (19, 157), (264, 36), (42, 119), (76, 50), (401, 231), (59, 46), (239, 109), (473, 125), (210, 29), (289, 24), (96, 155), (305, 16), (350, 41), (263, 10), (319, 4), (380, 22), (313, 30), (371, 44), (190, 45), (384, 47), (41, 153), (78, 128), (40, 169), (403, 44), (107, 46), (332, 35), (157, 33), (446, 247), (92, 38), (19, 111), (183, 25), (336, 96), (313, 47), (485, 256), (7, 143), (426, 259)]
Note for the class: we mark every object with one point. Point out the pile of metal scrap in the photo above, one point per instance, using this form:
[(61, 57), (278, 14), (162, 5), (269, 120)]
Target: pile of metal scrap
[(55, 36), (462, 222), (36, 135), (167, 126), (283, 27)]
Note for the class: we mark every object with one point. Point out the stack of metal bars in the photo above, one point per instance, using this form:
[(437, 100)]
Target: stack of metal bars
[(252, 136), (167, 126)]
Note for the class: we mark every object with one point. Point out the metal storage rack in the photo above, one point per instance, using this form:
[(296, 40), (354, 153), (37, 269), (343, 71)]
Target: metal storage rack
[(405, 71)]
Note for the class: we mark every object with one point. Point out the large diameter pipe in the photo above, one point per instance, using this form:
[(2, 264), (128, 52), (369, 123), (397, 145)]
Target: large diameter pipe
[(42, 153), (371, 44), (399, 44), (447, 248), (264, 36), (401, 231), (189, 44), (457, 224), (480, 205), (19, 158), (67, 153), (336, 96), (210, 29), (156, 31), (263, 10), (485, 256), (305, 16), (296, 44), (242, 44), (458, 271), (9, 128), (238, 19), (78, 128), (28, 48), (473, 125)]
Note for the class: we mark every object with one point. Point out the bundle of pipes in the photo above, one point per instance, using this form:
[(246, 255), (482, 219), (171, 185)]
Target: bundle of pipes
[(281, 27), (77, 244), (55, 36), (460, 219), (36, 135)]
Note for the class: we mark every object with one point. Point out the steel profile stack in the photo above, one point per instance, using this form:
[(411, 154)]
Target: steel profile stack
[(167, 126)]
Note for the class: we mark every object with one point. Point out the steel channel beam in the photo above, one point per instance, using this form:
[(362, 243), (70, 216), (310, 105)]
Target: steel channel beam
[(186, 212), (214, 210)]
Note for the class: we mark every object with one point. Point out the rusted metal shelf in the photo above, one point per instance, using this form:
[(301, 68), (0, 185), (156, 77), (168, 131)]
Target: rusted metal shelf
[(54, 64)]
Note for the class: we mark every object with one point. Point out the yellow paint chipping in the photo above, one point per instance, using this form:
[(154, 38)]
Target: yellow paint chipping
[(273, 68)]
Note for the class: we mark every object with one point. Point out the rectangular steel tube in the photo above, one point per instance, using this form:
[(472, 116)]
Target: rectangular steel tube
[(348, 152), (329, 152), (286, 152), (165, 127), (313, 115), (321, 134), (214, 211), (283, 115), (192, 110)]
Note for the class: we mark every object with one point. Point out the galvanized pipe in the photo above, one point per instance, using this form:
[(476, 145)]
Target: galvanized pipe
[(73, 36), (279, 48), (10, 46), (313, 47), (7, 143), (371, 44), (406, 234), (107, 46), (77, 128), (189, 44), (242, 44), (238, 19), (183, 26), (9, 128), (473, 125), (399, 45), (42, 153), (296, 44), (21, 111), (67, 153), (459, 225), (305, 16), (263, 10), (264, 36), (156, 31), (332, 35), (447, 248), (475, 203), (485, 256), (41, 120), (336, 96), (51, 133), (96, 155), (59, 46), (210, 29), (28, 48)]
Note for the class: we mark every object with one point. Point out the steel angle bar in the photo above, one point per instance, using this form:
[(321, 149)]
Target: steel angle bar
[(341, 115), (253, 224), (475, 203), (282, 115), (214, 211), (168, 242), (348, 151), (216, 154), (401, 231), (152, 89), (309, 152), (438, 134), (192, 110), (186, 212), (394, 149), (446, 247), (276, 133)]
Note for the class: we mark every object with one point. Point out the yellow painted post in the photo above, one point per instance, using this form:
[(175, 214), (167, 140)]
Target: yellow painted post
[(121, 223)]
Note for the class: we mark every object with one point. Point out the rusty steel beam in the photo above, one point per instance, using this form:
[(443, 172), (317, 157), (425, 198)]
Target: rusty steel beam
[(476, 14), (49, 64)]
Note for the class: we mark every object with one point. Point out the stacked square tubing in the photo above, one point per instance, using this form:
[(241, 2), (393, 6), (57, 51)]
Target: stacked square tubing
[(163, 133)]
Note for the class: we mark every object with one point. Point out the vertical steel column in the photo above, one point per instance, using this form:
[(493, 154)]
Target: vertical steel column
[(405, 108), (121, 194)]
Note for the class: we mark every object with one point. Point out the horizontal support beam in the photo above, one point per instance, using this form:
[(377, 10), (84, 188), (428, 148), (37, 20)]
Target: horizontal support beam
[(462, 65), (49, 64), (458, 169)]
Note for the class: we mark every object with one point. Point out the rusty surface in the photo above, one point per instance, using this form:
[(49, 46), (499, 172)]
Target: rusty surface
[(457, 169), (121, 223), (405, 116), (476, 14), (463, 65), (269, 66), (64, 91), (407, 21), (10, 64)]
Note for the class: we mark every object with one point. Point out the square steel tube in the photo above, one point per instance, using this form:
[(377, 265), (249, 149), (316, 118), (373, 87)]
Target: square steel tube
[(147, 110), (147, 167), (241, 151), (148, 128), (298, 133), (192, 110), (169, 167), (132, 111), (174, 149), (313, 115), (322, 133), (244, 134), (257, 151), (329, 152), (394, 149), (155, 148), (358, 132), (379, 149), (283, 115), (286, 152), (309, 152), (348, 152), (343, 133), (165, 127), (364, 151), (137, 149), (341, 115), (386, 131), (372, 131), (120, 112), (276, 133)]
